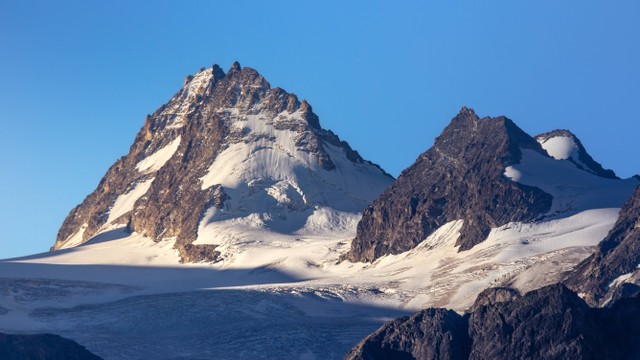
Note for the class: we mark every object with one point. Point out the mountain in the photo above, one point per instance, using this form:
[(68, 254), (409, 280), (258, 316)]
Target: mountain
[(612, 271), (460, 177), (227, 148), (564, 145), (548, 323), (487, 173), (239, 179)]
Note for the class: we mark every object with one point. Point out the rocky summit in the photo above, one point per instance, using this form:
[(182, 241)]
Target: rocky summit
[(226, 146), (460, 177)]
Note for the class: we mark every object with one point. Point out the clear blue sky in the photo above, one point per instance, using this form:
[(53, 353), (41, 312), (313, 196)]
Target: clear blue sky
[(78, 77)]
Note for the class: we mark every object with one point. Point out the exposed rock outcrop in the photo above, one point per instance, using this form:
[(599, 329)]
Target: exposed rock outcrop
[(42, 347), (460, 177), (429, 334), (548, 323)]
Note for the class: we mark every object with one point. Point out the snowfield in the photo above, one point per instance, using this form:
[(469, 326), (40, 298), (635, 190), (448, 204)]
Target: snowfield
[(273, 296)]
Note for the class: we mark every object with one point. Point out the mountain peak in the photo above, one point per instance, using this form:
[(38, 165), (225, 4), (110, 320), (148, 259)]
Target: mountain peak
[(494, 134), (227, 147), (217, 72), (467, 113), (460, 177), (562, 144), (235, 67), (486, 172)]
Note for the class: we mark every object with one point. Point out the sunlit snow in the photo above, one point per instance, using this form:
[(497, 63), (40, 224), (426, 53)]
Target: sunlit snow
[(124, 203), (157, 160), (573, 189)]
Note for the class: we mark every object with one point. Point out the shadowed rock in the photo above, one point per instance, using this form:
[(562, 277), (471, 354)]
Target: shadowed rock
[(429, 334), (42, 347), (548, 323), (460, 177)]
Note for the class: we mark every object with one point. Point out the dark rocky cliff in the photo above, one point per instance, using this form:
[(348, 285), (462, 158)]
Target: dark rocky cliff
[(549, 323), (429, 334), (460, 177), (42, 347)]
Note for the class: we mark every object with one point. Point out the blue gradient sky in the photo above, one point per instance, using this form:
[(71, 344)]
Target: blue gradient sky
[(78, 77)]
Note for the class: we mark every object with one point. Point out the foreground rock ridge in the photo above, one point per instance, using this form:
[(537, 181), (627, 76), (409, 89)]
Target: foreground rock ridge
[(612, 271), (173, 173), (460, 177), (42, 347), (549, 323)]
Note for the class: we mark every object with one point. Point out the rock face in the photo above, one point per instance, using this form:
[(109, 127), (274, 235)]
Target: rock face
[(611, 272), (548, 323), (460, 177), (494, 296), (42, 347), (227, 145), (429, 334)]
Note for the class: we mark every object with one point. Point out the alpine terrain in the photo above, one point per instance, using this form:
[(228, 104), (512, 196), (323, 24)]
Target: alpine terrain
[(237, 227), (227, 153)]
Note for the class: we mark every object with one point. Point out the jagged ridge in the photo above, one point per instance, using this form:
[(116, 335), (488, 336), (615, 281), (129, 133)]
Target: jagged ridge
[(460, 177), (161, 187)]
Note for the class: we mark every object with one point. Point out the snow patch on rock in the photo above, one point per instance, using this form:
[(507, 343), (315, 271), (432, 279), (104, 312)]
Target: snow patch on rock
[(155, 161), (561, 147), (124, 203), (75, 239), (275, 183), (183, 105)]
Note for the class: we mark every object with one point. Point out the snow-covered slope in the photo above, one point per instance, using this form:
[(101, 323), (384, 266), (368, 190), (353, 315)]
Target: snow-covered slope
[(271, 184), (572, 188)]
